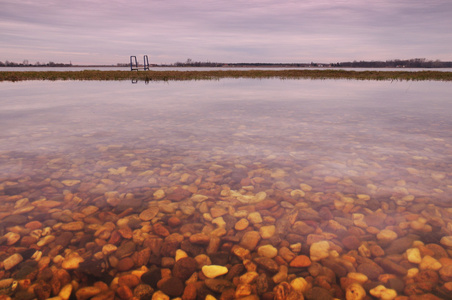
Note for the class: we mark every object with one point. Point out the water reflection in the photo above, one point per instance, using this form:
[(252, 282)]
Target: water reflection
[(369, 156)]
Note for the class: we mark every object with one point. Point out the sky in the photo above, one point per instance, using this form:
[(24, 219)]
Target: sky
[(230, 31)]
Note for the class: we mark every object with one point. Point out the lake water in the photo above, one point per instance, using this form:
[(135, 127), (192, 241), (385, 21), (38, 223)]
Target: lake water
[(360, 168)]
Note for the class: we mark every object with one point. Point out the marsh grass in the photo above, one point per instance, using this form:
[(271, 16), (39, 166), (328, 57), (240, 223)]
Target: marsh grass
[(215, 75)]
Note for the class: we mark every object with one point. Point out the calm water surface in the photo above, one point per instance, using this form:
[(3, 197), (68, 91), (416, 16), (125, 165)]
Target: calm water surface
[(347, 149), (371, 131)]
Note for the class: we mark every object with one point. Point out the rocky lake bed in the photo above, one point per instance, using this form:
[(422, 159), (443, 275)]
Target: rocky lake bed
[(235, 189)]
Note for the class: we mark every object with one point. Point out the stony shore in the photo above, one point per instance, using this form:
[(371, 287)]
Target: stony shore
[(240, 231)]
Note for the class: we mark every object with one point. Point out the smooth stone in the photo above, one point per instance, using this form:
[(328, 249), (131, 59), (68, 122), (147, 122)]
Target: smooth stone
[(241, 224), (319, 250), (391, 267), (184, 268), (383, 293), (73, 226), (87, 292), (414, 255), (160, 230), (267, 251), (129, 280), (286, 254), (371, 270), (217, 211), (400, 245), (149, 214), (159, 194), (255, 218), (125, 264), (65, 292), (125, 249), (248, 277), (72, 262), (250, 240), (267, 232), (218, 285), (351, 242), (446, 273), (12, 261), (318, 293), (446, 241), (300, 261), (199, 238), (171, 286), (358, 277), (267, 263), (213, 271), (159, 295), (151, 277), (300, 285), (12, 238), (387, 235), (143, 291), (355, 292), (429, 263)]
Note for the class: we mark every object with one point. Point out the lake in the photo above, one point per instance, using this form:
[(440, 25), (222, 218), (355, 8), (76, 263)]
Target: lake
[(236, 187)]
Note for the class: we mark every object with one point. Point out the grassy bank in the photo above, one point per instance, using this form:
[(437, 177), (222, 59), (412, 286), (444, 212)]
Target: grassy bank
[(207, 75)]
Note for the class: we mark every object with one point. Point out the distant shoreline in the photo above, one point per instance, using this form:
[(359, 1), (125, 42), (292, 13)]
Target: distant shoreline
[(215, 75)]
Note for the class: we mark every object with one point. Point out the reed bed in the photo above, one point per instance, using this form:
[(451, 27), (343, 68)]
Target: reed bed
[(215, 75)]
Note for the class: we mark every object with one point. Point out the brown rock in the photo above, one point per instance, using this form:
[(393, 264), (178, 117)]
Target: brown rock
[(351, 242), (28, 240), (250, 240), (179, 194), (286, 254), (174, 221), (184, 268), (141, 258), (43, 290), (124, 292), (199, 238), (125, 249), (73, 226), (267, 263), (391, 266), (376, 250), (446, 273), (87, 292), (143, 292), (125, 264), (149, 214), (171, 286), (189, 292), (301, 261), (33, 225), (12, 261), (371, 270), (161, 230), (126, 232), (129, 280)]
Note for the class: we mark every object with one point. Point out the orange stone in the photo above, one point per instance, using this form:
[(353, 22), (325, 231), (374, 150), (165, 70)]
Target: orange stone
[(300, 261), (124, 292), (33, 225), (161, 230)]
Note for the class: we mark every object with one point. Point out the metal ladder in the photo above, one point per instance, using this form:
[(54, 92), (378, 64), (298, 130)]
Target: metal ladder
[(134, 63)]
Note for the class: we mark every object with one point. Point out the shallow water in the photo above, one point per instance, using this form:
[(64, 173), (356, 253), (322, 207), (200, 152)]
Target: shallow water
[(348, 149)]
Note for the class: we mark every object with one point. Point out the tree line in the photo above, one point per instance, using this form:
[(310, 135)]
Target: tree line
[(396, 63), (25, 63)]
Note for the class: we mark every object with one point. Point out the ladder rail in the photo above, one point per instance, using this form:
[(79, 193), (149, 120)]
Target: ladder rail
[(134, 63)]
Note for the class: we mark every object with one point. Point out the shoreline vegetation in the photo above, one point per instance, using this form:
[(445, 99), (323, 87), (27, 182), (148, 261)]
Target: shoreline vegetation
[(216, 75)]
